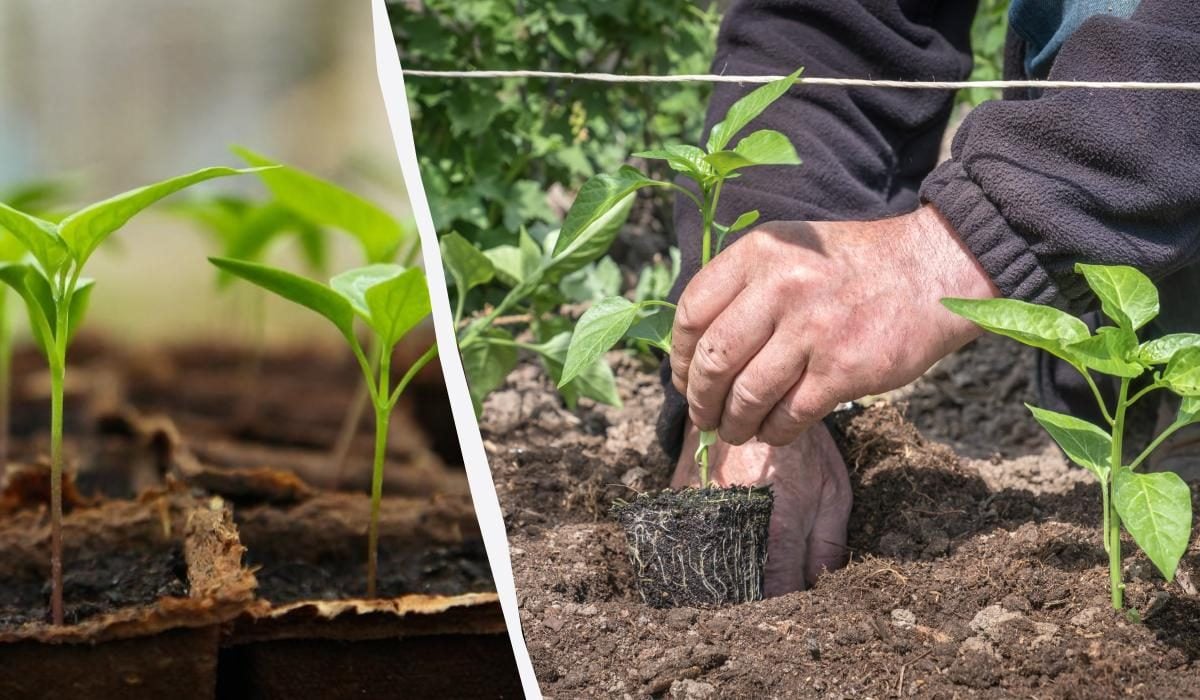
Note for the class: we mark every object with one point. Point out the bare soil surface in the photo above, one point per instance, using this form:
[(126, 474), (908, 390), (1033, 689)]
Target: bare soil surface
[(970, 578)]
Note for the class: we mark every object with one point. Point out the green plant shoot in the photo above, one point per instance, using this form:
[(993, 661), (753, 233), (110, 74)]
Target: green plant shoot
[(607, 197), (390, 300), (1154, 507), (56, 296)]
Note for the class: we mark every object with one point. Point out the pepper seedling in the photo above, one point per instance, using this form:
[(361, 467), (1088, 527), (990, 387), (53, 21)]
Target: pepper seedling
[(391, 300), (615, 318), (1154, 507), (56, 297)]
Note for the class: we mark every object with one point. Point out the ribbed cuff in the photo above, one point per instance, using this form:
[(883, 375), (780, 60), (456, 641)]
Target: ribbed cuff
[(1004, 254)]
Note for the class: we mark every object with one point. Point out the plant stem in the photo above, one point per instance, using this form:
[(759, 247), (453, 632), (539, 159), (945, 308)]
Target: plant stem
[(358, 406), (1113, 526), (702, 460), (1096, 392), (1156, 442), (58, 376), (383, 411)]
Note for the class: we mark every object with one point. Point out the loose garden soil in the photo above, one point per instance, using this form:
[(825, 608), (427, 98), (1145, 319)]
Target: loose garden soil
[(969, 577)]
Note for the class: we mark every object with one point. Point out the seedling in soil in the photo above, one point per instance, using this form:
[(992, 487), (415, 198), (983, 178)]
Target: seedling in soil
[(324, 205), (391, 300), (604, 197), (56, 297), (1155, 508)]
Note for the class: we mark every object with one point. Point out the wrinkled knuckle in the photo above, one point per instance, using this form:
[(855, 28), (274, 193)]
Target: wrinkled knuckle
[(709, 361), (686, 321), (744, 396)]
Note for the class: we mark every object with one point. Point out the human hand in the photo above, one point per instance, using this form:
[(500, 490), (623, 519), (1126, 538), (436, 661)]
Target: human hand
[(796, 317)]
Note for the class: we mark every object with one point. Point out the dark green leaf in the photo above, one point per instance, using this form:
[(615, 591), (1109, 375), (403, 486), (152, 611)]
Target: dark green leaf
[(595, 382), (599, 329), (592, 224), (746, 109), (487, 364), (1156, 509), (1127, 296), (468, 267), (654, 327), (86, 229), (299, 290), (1085, 444)]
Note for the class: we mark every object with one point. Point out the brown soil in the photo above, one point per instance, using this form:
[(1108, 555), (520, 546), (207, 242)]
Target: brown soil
[(969, 578)]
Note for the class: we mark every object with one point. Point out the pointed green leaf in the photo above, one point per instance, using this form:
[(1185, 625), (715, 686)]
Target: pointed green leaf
[(1156, 509), (1126, 296), (86, 229), (683, 158), (1160, 350), (19, 278), (515, 264), (1189, 410), (327, 204), (599, 329), (297, 289), (487, 364), (595, 382), (38, 236), (596, 281), (1182, 374), (11, 248), (765, 147), (1085, 444), (79, 306), (745, 220), (595, 219), (398, 304), (353, 285), (746, 109), (467, 266), (654, 327), (1108, 352), (1042, 327)]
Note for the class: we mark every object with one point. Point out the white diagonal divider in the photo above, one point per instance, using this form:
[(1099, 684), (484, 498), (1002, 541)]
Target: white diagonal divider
[(483, 491)]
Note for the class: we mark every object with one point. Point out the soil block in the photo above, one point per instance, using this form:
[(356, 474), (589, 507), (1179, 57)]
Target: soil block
[(147, 585), (698, 547), (436, 631)]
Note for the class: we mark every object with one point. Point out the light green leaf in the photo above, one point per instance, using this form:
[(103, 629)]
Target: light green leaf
[(516, 264), (398, 304), (327, 204), (1108, 352), (1156, 509), (1189, 410), (1085, 444), (86, 229), (11, 248), (79, 306), (1182, 374), (599, 329), (353, 285), (39, 237), (745, 220), (654, 327), (596, 281), (1041, 327), (599, 211), (765, 147), (683, 158), (487, 364), (595, 382), (746, 109), (1127, 296), (466, 264), (297, 289), (1160, 350), (21, 278)]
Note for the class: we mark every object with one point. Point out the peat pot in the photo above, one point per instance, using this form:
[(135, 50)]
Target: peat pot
[(698, 547)]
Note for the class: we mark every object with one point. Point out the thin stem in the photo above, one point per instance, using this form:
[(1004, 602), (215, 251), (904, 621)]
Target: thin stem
[(1153, 387), (460, 306), (58, 375), (416, 367), (367, 367), (1096, 392), (1116, 586), (712, 209), (358, 406), (1156, 442), (702, 461), (383, 412)]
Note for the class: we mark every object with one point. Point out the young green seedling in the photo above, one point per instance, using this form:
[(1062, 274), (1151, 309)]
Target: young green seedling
[(56, 296), (1155, 507), (391, 300), (323, 204), (603, 197)]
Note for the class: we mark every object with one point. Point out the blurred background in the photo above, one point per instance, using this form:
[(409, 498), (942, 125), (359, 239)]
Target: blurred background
[(106, 95)]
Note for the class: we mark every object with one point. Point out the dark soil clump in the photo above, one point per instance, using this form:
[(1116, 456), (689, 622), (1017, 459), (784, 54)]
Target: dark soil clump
[(697, 547)]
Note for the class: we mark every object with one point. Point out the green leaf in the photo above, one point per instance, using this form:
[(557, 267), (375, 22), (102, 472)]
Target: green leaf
[(1160, 350), (398, 304), (655, 327), (1156, 509), (765, 147), (86, 229), (11, 248), (465, 263), (327, 204), (1085, 444), (745, 220), (22, 278), (297, 289), (746, 109), (1041, 327), (1189, 410), (1109, 351), (595, 382), (487, 364), (686, 159), (516, 264), (39, 237), (599, 329), (79, 306), (592, 224), (1182, 374), (1127, 296), (596, 281)]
